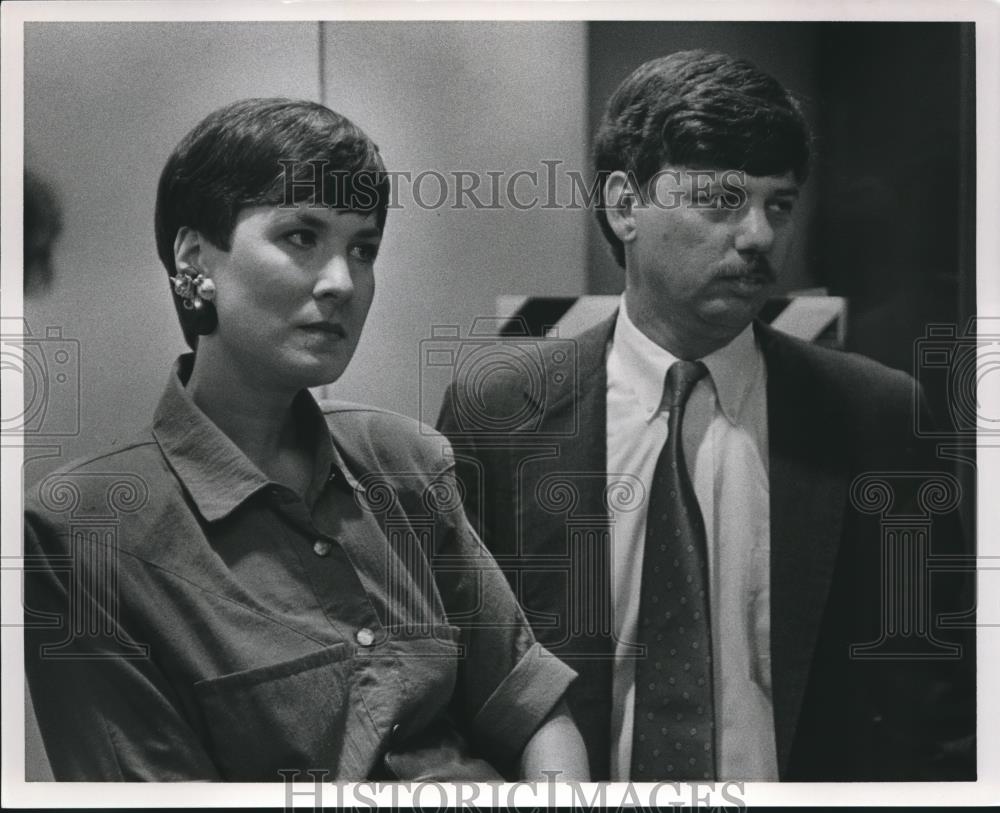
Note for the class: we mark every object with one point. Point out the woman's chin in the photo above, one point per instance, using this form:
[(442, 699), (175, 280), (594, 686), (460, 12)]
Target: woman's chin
[(304, 371), (323, 372), (323, 382)]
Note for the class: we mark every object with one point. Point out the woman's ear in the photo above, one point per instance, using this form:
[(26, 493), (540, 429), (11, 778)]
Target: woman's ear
[(193, 284), (620, 199), (188, 246)]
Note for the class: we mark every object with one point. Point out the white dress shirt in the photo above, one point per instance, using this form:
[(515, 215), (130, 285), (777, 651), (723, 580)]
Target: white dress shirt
[(725, 448)]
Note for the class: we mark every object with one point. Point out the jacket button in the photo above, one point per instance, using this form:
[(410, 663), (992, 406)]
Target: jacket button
[(322, 548), (365, 636), (877, 718)]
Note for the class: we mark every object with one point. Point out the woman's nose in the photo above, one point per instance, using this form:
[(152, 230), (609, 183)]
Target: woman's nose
[(334, 279)]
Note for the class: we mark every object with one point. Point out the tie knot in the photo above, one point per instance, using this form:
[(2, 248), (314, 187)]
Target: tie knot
[(681, 378)]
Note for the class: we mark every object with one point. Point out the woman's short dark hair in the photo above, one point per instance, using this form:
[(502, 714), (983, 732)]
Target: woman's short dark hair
[(699, 110), (263, 152)]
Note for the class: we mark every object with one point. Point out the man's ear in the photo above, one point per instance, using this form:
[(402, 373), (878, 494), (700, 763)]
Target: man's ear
[(188, 247), (620, 200)]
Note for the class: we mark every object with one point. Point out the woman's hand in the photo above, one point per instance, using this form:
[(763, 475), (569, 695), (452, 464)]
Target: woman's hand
[(556, 746)]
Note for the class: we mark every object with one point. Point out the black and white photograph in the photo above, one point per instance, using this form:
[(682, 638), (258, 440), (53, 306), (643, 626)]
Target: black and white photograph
[(465, 405)]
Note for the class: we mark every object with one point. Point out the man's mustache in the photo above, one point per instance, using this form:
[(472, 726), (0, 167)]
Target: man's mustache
[(757, 267)]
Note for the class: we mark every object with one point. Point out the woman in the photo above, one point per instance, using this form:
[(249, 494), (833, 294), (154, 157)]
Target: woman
[(257, 584)]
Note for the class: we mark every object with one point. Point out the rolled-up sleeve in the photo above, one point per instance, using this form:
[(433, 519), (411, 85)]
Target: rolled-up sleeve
[(522, 700)]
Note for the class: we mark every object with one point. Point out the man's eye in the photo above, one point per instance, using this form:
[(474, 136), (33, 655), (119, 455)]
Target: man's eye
[(783, 206), (365, 252), (303, 238), (705, 198), (718, 200)]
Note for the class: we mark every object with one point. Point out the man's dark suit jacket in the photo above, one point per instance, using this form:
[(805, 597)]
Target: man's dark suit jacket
[(530, 442)]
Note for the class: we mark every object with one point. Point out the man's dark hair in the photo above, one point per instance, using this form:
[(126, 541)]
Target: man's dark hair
[(245, 154), (700, 110)]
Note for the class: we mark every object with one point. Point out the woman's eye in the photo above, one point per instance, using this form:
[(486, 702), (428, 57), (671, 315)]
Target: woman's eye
[(364, 252), (303, 238)]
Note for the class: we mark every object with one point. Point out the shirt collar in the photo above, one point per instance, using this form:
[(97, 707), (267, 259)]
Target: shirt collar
[(218, 476), (733, 369), (639, 363), (643, 364)]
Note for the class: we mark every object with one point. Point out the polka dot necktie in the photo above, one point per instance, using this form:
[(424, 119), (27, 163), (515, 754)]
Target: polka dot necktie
[(674, 728)]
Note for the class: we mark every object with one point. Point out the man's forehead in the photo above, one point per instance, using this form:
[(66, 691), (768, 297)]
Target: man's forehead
[(730, 176)]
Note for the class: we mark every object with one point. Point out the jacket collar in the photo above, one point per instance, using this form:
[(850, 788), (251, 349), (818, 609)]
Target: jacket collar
[(589, 350)]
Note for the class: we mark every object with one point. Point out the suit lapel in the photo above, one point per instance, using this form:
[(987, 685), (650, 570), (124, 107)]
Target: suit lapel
[(572, 439), (561, 506), (573, 411), (576, 404), (574, 427), (808, 480)]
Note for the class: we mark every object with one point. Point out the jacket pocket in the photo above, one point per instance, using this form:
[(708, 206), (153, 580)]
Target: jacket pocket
[(291, 715)]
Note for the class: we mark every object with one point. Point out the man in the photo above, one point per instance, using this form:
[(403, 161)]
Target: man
[(684, 514)]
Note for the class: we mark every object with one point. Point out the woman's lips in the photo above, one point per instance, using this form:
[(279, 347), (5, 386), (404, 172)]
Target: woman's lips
[(332, 329)]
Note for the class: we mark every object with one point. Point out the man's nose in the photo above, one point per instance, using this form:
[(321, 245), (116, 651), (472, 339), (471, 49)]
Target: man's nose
[(334, 280), (754, 231)]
